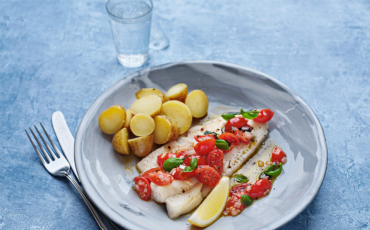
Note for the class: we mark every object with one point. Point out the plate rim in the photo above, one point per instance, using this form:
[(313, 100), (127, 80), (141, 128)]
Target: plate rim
[(103, 206)]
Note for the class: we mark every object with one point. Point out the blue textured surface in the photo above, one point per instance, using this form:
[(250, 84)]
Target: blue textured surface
[(59, 55)]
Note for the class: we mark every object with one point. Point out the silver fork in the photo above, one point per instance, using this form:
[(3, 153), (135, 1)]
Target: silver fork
[(59, 166)]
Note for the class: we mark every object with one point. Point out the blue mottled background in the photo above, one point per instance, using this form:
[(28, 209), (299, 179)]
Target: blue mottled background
[(59, 55)]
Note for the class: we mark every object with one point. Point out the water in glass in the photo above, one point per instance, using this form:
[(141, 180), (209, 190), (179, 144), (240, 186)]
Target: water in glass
[(130, 23)]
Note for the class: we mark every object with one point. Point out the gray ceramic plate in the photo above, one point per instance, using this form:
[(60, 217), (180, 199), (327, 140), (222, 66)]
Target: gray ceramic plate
[(106, 176)]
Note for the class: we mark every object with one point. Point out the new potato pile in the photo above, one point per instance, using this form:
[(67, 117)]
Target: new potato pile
[(154, 118)]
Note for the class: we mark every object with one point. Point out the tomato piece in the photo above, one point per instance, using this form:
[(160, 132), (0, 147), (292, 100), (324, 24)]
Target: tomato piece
[(236, 122), (259, 188), (240, 189), (163, 157), (176, 173), (187, 175), (215, 159), (200, 138), (204, 147), (182, 154), (201, 160), (231, 138), (243, 137), (232, 145), (207, 175), (234, 206), (160, 178), (143, 187), (264, 116), (146, 173), (278, 155)]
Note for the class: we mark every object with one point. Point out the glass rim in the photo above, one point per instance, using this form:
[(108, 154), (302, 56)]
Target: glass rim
[(149, 11)]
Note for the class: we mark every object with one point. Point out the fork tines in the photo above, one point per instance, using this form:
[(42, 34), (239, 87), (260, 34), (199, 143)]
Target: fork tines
[(46, 155)]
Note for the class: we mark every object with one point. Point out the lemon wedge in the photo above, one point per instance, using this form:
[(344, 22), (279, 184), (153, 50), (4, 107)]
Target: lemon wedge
[(213, 205)]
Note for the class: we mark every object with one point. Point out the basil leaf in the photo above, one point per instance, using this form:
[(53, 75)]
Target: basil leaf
[(227, 116), (209, 132), (249, 114), (171, 163), (222, 144), (194, 163), (273, 170), (234, 113), (240, 178), (246, 200), (187, 169)]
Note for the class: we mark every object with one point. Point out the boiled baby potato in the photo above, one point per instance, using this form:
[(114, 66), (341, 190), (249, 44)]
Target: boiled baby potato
[(197, 102), (178, 92), (128, 119), (120, 143), (163, 129), (175, 132), (151, 91), (180, 113), (150, 105), (142, 125), (112, 119), (141, 146)]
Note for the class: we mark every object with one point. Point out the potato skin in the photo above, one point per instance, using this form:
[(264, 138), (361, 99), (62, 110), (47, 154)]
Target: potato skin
[(141, 146), (142, 125), (150, 105), (112, 119), (180, 113), (119, 142), (175, 131), (178, 92), (151, 91), (197, 102)]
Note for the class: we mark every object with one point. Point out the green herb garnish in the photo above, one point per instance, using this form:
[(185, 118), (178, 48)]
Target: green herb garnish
[(171, 163), (227, 117), (222, 144), (249, 114), (246, 200), (274, 170), (193, 165), (240, 178)]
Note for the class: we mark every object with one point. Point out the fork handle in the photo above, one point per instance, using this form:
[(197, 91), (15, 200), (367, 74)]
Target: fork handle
[(85, 198)]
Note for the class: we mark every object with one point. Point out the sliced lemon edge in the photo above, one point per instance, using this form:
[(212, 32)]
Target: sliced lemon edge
[(194, 218)]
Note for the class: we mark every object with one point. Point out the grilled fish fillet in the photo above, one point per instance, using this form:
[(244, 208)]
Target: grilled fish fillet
[(233, 160)]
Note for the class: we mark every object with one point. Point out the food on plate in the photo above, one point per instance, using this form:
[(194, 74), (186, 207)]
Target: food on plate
[(186, 170), (164, 130), (180, 113), (150, 105), (178, 92), (151, 91), (212, 206), (112, 119), (128, 119), (197, 102), (141, 146), (119, 142), (142, 125)]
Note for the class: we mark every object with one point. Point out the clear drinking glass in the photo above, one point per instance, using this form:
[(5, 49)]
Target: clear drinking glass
[(130, 22)]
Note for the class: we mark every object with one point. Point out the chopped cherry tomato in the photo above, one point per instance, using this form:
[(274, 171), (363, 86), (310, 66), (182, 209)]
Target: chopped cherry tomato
[(240, 189), (234, 206), (232, 145), (278, 156), (201, 160), (236, 122), (143, 187), (207, 175), (146, 173), (259, 188), (231, 138), (264, 116), (215, 159), (160, 178), (204, 147), (200, 138), (182, 154), (176, 173), (187, 175), (163, 157), (243, 137)]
